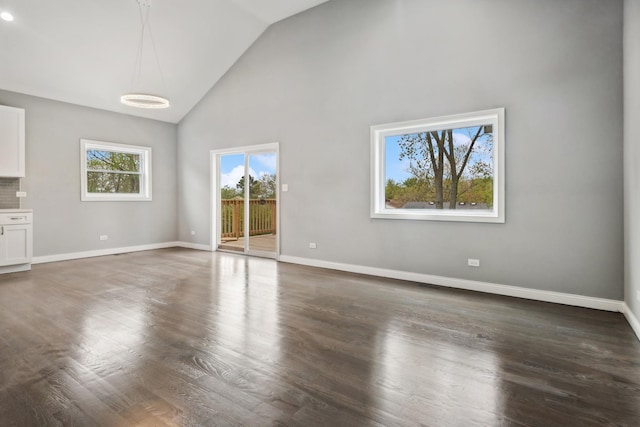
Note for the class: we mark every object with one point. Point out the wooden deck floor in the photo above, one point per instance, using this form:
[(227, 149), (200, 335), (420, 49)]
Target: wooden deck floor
[(176, 337), (263, 243)]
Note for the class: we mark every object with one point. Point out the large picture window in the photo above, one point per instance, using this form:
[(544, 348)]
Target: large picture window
[(114, 171), (446, 168)]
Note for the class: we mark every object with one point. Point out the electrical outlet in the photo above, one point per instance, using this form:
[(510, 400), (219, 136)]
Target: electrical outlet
[(285, 187), (473, 262), (21, 194), (312, 246), (193, 232), (103, 237)]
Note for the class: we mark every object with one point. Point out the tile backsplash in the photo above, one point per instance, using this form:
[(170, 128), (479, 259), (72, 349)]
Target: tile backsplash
[(8, 188)]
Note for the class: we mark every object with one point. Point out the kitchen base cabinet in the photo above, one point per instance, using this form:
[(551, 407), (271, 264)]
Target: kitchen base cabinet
[(16, 241)]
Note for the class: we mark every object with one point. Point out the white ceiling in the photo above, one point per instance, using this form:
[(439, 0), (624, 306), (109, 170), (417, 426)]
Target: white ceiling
[(83, 51)]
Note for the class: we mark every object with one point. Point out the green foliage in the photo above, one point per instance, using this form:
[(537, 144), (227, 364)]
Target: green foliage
[(392, 190), (267, 186), (227, 193), (113, 172), (475, 190), (263, 188), (252, 186)]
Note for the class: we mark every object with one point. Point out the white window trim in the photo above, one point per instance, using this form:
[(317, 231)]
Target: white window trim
[(145, 171), (378, 134)]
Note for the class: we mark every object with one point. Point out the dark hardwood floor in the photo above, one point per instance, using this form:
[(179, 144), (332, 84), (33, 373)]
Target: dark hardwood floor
[(186, 338)]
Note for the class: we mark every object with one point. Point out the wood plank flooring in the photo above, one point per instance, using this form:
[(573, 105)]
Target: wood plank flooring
[(177, 337)]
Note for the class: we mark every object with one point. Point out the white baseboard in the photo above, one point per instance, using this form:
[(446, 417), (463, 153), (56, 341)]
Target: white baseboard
[(492, 288), (114, 251), (101, 252), (195, 246), (632, 319), (15, 268)]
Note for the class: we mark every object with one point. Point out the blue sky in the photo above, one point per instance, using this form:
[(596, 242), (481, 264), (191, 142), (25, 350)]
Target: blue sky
[(395, 169), (232, 167)]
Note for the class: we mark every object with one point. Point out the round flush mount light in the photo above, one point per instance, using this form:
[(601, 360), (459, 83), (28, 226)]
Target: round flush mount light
[(141, 100), (6, 16)]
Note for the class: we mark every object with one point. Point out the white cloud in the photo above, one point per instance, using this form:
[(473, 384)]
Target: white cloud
[(268, 161), (231, 179)]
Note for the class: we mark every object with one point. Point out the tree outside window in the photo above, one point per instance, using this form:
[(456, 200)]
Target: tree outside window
[(115, 171), (447, 168)]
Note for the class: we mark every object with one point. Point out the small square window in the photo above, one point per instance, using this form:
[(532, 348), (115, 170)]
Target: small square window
[(445, 169), (114, 172)]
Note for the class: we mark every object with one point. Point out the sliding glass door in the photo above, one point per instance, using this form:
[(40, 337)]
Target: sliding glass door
[(246, 200)]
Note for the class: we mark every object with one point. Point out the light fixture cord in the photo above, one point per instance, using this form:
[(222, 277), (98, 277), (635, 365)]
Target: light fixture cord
[(155, 53), (137, 65)]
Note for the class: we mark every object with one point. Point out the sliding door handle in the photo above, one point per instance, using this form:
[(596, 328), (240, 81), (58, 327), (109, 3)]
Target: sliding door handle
[(2, 230)]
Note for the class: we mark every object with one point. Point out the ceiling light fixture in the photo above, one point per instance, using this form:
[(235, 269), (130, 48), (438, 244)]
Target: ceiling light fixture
[(6, 16), (141, 100), (136, 99)]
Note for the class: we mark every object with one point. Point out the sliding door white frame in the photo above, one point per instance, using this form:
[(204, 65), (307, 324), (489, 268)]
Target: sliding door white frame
[(214, 204)]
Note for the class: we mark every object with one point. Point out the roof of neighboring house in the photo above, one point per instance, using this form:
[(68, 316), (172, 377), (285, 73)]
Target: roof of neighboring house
[(432, 205)]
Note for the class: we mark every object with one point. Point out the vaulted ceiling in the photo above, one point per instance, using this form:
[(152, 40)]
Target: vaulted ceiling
[(84, 52)]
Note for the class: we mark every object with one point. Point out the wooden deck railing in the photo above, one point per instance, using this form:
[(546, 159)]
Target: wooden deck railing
[(262, 217)]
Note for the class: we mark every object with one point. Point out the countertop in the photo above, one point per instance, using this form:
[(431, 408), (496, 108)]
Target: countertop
[(16, 210)]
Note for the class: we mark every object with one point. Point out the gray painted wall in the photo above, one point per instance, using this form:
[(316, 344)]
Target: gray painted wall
[(632, 153), (64, 224), (316, 82)]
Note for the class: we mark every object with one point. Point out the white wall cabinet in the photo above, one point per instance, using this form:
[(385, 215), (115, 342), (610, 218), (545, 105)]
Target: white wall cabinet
[(11, 142), (16, 241)]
